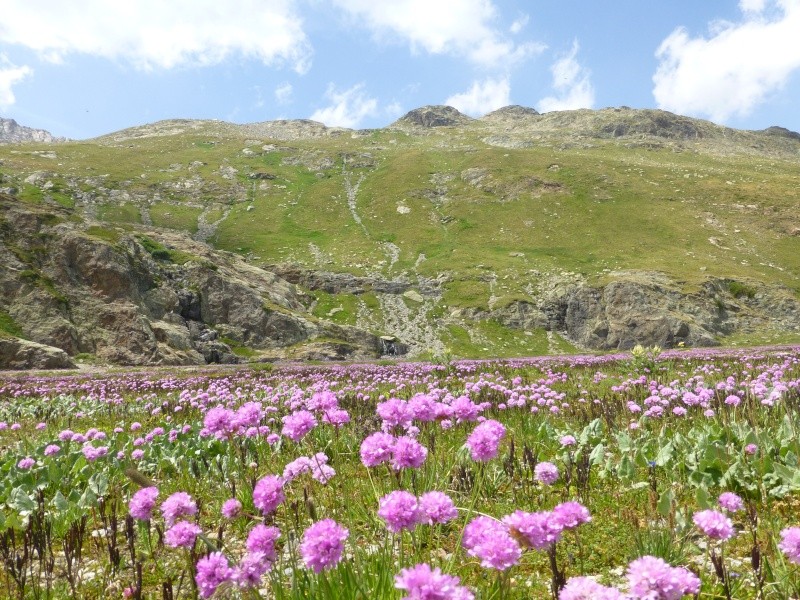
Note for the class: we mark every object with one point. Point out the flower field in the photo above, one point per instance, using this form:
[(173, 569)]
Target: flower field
[(649, 475)]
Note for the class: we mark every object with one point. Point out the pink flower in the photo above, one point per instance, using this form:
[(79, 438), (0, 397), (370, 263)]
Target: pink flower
[(142, 503), (546, 472), (731, 502), (231, 508), (484, 441), (377, 448), (400, 510), (713, 524), (179, 504), (436, 507), (182, 535), (268, 494), (408, 453), (423, 583), (490, 541), (322, 544)]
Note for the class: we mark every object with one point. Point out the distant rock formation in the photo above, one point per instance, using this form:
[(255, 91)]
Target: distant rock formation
[(432, 116), (12, 132)]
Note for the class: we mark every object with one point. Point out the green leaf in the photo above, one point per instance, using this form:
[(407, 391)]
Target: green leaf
[(664, 506), (98, 483), (597, 454), (21, 502), (60, 503), (627, 470), (703, 498), (664, 454)]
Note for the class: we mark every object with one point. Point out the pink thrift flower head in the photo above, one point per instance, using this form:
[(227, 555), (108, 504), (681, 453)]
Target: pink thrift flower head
[(142, 503), (336, 417), (651, 578), (586, 588), (484, 441), (731, 502), (408, 453), (546, 473), (377, 448), (400, 510), (52, 449), (231, 508), (436, 507), (182, 535), (733, 400), (268, 494), (219, 421), (262, 539), (423, 583), (751, 449), (322, 545), (298, 424), (250, 570), (571, 514), (790, 544), (212, 571), (490, 541), (568, 440), (179, 504), (714, 524), (395, 413), (296, 468), (534, 530), (26, 463)]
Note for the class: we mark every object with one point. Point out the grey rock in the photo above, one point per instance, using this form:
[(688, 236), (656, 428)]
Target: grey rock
[(16, 353)]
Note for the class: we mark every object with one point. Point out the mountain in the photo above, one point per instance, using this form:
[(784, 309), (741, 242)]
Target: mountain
[(12, 132), (512, 234)]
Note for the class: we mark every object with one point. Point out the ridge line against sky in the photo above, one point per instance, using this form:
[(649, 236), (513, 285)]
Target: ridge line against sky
[(91, 67)]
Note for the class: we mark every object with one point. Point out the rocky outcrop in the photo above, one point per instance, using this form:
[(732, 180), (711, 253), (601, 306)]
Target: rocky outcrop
[(12, 132), (648, 308), (432, 116), (23, 354), (338, 283), (150, 297)]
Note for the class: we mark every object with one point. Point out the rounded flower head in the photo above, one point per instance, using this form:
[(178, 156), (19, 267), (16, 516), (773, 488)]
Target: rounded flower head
[(546, 472), (713, 524), (251, 569), (568, 440), (400, 510), (790, 544), (212, 571), (490, 541), (436, 507), (571, 514), (585, 588), (179, 504), (298, 424), (182, 535), (142, 503), (731, 502), (26, 463), (534, 530), (423, 583), (231, 508), (650, 578), (268, 494), (262, 539), (377, 448), (408, 453), (323, 544), (484, 441)]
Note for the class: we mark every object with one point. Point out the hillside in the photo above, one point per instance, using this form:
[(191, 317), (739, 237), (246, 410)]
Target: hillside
[(517, 233)]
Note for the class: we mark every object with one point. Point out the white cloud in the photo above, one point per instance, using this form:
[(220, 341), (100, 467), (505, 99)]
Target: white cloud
[(735, 69), (10, 75), (519, 24), (571, 83), (483, 97), (156, 34), (283, 93), (455, 27), (348, 107)]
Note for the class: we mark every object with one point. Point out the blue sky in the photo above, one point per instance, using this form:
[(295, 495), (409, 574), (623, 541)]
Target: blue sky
[(89, 67)]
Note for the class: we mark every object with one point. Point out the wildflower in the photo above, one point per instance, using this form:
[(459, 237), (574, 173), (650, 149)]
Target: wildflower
[(336, 417), (182, 535), (790, 544), (751, 449), (142, 503), (219, 421), (179, 504), (298, 424), (731, 502), (26, 463), (212, 571), (395, 413), (489, 540), (262, 539), (377, 448), (546, 472), (137, 454), (585, 588), (568, 440), (733, 400), (534, 530), (408, 453), (251, 569), (323, 544), (436, 507), (571, 514), (268, 494), (231, 508), (423, 583), (713, 524), (484, 441), (650, 578), (400, 510), (296, 468), (52, 449), (320, 469)]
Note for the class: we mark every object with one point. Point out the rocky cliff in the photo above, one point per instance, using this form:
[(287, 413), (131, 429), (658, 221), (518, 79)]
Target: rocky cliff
[(13, 132), (147, 298)]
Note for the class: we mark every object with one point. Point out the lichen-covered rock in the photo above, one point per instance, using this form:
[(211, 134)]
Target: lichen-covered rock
[(16, 353)]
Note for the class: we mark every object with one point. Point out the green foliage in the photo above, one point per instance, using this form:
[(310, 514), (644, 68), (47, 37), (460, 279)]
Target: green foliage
[(741, 290), (8, 325)]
